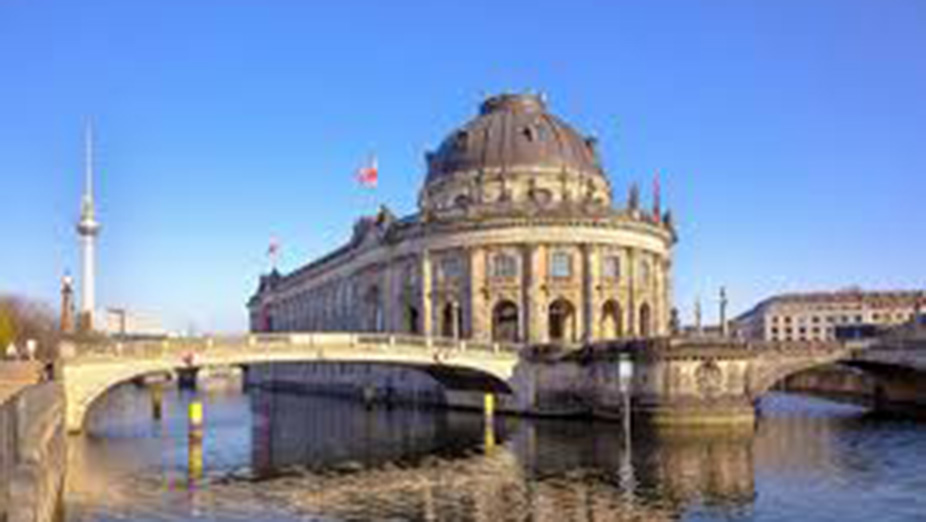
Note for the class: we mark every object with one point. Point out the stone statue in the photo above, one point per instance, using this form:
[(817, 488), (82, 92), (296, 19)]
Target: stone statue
[(633, 198), (675, 323)]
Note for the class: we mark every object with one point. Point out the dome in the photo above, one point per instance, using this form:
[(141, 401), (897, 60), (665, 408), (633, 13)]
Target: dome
[(511, 131), (513, 138)]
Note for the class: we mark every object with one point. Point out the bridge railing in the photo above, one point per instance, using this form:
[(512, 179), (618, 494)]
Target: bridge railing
[(114, 348)]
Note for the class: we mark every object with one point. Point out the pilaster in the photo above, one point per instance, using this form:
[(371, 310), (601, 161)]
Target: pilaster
[(426, 294), (477, 314), (631, 311)]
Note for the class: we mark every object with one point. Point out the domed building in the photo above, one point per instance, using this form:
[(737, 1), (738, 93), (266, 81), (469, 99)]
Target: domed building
[(517, 239)]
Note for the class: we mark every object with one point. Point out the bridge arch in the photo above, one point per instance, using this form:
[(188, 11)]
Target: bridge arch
[(464, 365)]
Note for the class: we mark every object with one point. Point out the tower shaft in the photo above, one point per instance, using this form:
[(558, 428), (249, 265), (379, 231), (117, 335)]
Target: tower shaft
[(87, 230)]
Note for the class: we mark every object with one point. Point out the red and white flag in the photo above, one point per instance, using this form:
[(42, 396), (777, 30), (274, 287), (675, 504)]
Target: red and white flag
[(368, 175), (273, 251)]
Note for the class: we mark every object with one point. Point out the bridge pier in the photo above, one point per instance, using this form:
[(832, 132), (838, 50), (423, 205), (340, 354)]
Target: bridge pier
[(697, 386), (186, 378)]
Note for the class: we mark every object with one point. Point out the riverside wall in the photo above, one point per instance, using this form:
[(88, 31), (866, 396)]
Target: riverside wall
[(33, 453)]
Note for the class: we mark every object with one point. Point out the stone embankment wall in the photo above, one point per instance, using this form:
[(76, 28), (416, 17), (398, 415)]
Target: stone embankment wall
[(32, 453)]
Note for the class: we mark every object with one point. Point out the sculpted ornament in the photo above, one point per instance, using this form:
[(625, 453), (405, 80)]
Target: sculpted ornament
[(709, 378)]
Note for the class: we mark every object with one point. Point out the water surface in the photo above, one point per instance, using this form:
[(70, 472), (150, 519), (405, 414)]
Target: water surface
[(278, 456)]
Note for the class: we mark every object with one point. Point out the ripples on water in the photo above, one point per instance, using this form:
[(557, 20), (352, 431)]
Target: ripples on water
[(275, 456)]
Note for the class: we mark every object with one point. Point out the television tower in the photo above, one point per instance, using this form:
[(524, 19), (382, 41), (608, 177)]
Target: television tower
[(87, 230)]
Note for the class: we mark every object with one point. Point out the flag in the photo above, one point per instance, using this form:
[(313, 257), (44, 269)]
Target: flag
[(368, 175), (657, 211), (274, 247), (273, 252)]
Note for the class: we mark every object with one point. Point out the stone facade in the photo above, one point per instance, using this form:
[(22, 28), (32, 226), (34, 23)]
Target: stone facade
[(516, 239)]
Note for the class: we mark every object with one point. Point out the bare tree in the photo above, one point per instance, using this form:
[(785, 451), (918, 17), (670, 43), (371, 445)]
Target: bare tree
[(23, 319)]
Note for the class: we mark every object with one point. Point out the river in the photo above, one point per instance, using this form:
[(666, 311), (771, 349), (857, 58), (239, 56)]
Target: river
[(280, 456)]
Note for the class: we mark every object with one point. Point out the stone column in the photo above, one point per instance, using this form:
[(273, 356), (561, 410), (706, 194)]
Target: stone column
[(534, 320), (426, 293), (479, 328), (386, 301), (591, 275), (631, 313)]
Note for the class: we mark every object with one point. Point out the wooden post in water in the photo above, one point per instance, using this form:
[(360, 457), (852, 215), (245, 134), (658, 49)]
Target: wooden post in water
[(157, 400)]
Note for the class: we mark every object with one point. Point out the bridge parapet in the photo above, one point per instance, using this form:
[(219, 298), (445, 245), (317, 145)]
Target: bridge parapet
[(148, 349)]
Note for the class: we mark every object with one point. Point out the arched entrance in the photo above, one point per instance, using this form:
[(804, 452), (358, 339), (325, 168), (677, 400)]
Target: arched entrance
[(412, 320), (505, 322), (451, 321), (562, 321), (646, 321), (612, 326), (374, 310)]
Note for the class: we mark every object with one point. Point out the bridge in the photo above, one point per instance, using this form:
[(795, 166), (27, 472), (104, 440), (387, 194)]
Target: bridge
[(673, 379), (93, 369)]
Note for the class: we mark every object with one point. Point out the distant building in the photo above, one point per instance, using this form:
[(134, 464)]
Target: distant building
[(516, 238), (128, 323), (826, 315)]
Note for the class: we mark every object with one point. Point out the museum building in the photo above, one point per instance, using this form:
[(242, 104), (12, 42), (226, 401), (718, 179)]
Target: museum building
[(517, 238)]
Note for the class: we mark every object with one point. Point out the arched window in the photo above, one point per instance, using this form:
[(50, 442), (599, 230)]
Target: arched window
[(612, 325), (411, 320), (561, 321), (452, 321), (505, 322), (646, 321)]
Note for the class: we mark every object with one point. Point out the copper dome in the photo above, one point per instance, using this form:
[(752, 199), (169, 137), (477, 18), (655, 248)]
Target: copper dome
[(514, 132)]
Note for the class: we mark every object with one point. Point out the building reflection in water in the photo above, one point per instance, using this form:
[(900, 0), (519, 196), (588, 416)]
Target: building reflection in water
[(420, 464), (279, 456)]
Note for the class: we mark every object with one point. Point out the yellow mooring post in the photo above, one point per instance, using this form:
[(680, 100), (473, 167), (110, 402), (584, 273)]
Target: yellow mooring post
[(196, 420), (489, 419)]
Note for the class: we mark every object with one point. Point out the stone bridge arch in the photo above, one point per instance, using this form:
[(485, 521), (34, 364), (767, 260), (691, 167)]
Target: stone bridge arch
[(773, 365), (452, 363)]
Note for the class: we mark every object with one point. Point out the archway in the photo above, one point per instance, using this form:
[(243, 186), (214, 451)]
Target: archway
[(451, 321), (612, 326), (412, 320), (374, 310), (505, 322), (646, 321), (562, 321)]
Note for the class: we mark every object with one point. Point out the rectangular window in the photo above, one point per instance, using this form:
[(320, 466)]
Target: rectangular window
[(504, 265), (561, 265), (450, 268), (612, 267)]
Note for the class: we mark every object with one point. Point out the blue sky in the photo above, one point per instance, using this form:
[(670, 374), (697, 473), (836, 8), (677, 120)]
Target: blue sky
[(791, 135)]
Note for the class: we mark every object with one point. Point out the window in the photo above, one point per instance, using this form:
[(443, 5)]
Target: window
[(644, 271), (504, 265), (612, 267), (450, 268), (561, 265)]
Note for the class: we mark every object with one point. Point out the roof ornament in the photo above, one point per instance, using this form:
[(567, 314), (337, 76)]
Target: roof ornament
[(633, 197)]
